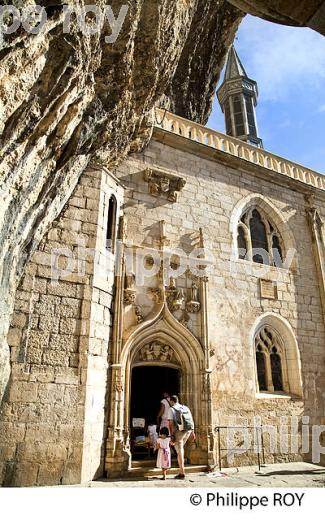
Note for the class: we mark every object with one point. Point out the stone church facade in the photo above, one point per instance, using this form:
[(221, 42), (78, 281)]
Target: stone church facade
[(160, 265)]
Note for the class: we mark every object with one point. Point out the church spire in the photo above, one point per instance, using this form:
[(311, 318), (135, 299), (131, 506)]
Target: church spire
[(234, 67), (238, 99)]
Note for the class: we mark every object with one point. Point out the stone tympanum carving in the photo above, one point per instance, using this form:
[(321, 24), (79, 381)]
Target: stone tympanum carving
[(156, 351), (163, 184)]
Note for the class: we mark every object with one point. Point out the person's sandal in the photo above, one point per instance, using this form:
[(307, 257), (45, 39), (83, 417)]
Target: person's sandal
[(180, 476)]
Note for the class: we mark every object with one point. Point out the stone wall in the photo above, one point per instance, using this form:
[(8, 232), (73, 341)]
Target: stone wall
[(213, 193), (100, 333), (52, 419)]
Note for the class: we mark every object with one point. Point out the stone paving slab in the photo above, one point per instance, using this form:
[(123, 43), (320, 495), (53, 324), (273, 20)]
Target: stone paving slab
[(297, 474)]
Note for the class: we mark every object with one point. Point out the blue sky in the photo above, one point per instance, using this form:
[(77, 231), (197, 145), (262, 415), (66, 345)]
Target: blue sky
[(289, 65)]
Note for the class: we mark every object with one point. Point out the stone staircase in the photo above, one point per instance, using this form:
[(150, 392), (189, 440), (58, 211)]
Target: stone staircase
[(146, 469)]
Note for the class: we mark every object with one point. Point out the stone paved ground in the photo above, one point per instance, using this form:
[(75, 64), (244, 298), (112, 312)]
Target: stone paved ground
[(297, 474)]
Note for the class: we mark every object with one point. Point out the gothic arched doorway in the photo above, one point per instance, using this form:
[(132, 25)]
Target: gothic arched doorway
[(160, 343), (147, 386)]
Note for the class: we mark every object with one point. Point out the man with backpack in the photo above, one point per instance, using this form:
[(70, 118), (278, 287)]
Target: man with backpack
[(181, 427)]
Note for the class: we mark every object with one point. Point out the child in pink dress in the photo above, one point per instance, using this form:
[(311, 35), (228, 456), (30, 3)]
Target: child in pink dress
[(163, 446)]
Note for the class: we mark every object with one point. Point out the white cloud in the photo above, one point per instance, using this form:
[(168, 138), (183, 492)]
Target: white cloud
[(282, 59), (286, 123)]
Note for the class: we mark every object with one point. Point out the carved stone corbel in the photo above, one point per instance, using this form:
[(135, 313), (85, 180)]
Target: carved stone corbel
[(164, 184), (193, 307)]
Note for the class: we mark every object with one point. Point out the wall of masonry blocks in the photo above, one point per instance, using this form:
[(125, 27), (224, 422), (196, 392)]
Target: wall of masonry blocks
[(209, 199), (53, 416)]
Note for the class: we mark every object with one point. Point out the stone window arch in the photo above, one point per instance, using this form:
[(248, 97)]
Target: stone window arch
[(258, 239), (276, 356)]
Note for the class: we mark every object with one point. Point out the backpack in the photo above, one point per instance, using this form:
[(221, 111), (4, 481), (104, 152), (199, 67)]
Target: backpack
[(183, 418)]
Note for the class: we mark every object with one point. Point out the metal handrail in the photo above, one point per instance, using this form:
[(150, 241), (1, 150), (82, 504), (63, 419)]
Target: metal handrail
[(259, 441)]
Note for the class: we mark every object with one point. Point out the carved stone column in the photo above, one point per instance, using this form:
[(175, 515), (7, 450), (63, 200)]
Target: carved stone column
[(268, 373), (207, 372), (118, 457), (316, 225)]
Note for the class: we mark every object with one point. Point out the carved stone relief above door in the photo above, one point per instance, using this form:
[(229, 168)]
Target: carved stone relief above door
[(157, 352)]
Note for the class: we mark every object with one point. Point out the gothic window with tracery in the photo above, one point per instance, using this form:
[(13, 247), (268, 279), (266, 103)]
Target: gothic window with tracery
[(258, 240), (270, 361)]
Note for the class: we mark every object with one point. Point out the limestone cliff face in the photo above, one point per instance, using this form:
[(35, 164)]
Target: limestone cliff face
[(309, 13), (70, 99), (193, 85)]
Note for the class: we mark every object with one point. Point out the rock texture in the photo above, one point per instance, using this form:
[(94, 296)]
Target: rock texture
[(193, 85), (309, 13), (68, 100)]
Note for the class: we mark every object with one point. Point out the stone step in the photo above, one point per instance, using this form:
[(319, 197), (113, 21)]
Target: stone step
[(143, 472), (149, 463)]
